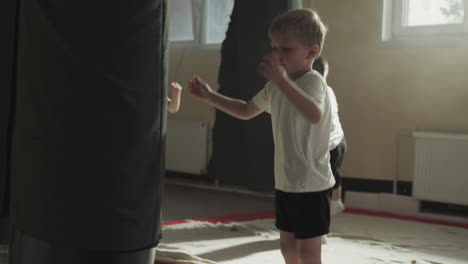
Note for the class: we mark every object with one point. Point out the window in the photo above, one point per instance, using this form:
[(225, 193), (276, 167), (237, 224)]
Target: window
[(199, 21), (180, 21), (423, 18)]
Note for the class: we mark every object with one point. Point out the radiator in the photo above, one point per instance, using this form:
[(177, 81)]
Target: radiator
[(187, 148), (441, 167)]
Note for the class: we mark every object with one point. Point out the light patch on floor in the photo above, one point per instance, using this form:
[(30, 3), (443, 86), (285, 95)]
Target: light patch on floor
[(355, 239)]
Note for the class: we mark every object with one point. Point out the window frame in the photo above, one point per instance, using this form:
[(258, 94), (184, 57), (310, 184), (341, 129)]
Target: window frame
[(393, 28), (200, 27)]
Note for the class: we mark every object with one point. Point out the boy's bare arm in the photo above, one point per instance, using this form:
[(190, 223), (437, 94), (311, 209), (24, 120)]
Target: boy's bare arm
[(306, 104), (234, 107), (174, 102), (271, 68)]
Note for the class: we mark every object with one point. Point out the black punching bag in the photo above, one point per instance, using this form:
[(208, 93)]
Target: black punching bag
[(87, 153), (8, 24), (243, 150)]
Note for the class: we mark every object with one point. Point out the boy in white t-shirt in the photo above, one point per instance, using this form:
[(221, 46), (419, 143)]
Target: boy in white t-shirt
[(297, 99), (337, 144)]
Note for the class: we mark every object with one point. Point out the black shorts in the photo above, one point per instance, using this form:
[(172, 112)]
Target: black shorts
[(336, 158), (307, 215)]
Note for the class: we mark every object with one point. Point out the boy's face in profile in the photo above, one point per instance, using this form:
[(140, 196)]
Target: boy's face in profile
[(295, 56)]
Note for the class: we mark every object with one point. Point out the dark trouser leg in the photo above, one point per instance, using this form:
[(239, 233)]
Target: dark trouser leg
[(24, 249), (336, 158)]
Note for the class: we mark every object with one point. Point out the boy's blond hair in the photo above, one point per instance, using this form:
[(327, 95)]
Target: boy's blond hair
[(304, 23)]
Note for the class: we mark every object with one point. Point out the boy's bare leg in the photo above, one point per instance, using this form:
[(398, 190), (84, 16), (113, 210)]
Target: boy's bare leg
[(336, 194), (336, 205), (310, 250), (289, 249)]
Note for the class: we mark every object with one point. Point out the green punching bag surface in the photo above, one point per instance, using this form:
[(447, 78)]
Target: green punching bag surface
[(90, 107)]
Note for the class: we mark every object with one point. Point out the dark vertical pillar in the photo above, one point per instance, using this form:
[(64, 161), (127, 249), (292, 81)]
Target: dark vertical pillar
[(87, 154), (243, 150), (8, 24)]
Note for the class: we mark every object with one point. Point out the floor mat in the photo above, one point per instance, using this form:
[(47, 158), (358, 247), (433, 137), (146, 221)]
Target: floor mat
[(355, 239)]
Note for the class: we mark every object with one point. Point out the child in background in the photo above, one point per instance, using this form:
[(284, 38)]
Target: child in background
[(298, 101), (173, 103), (337, 144)]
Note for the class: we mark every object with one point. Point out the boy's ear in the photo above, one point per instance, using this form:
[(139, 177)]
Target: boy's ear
[(313, 52)]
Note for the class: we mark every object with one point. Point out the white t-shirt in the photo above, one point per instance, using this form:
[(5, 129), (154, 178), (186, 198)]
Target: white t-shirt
[(301, 148), (337, 133)]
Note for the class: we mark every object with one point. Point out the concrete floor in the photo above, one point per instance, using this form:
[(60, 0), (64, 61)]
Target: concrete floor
[(191, 201)]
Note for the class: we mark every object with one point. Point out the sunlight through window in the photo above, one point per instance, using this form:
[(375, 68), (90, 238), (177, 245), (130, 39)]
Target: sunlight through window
[(433, 12), (199, 21), (181, 21), (420, 20), (217, 20)]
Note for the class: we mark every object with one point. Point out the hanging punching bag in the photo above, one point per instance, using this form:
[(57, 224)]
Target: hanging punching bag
[(8, 23), (87, 153), (243, 150)]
